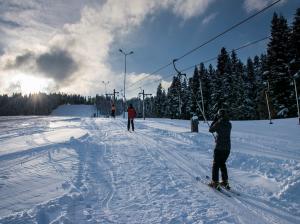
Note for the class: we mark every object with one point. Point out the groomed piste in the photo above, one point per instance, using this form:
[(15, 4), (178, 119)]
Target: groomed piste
[(92, 170)]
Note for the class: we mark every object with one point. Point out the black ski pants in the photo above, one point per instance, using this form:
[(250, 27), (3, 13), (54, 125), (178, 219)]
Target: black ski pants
[(220, 157), (113, 113), (130, 120)]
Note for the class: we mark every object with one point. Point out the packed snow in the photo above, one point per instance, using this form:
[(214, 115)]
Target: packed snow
[(92, 170)]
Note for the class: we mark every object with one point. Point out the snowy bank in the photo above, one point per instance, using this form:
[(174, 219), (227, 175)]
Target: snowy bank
[(74, 110)]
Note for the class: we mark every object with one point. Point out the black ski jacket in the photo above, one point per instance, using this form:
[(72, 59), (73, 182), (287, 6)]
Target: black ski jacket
[(223, 128)]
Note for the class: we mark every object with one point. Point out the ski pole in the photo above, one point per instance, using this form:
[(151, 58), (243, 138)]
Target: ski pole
[(204, 117)]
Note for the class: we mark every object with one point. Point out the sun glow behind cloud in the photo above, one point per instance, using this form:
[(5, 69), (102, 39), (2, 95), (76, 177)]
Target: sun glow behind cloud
[(57, 46), (74, 51), (29, 84)]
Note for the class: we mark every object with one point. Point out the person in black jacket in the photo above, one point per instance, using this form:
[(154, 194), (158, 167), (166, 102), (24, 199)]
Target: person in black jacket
[(222, 126)]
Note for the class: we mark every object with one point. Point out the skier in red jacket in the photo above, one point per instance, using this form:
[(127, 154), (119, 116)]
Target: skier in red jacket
[(131, 115)]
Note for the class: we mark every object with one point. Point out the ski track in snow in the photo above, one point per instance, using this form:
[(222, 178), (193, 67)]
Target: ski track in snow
[(85, 170)]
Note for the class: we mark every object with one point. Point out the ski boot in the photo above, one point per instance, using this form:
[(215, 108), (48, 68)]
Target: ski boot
[(215, 185), (225, 184)]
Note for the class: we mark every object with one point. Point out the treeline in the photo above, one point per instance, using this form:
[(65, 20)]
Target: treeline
[(242, 88), (38, 104), (44, 104)]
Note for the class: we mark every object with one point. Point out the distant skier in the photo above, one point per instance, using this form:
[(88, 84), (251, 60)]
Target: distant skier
[(113, 111), (131, 115), (222, 126)]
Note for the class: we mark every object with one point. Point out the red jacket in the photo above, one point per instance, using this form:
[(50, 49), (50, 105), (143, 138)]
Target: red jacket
[(131, 113)]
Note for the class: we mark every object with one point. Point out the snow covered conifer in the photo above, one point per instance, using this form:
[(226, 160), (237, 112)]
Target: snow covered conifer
[(195, 84), (237, 93), (295, 56), (186, 100), (259, 86), (250, 90), (224, 79), (159, 102), (278, 60), (295, 44), (173, 98), (205, 85), (212, 107)]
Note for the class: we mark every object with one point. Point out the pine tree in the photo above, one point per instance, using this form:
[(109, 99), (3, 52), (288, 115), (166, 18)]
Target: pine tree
[(237, 95), (224, 79), (259, 86), (278, 59), (204, 86), (295, 44), (194, 85), (173, 98), (159, 101), (214, 88), (243, 96), (186, 99), (264, 67), (295, 58), (262, 109), (250, 89)]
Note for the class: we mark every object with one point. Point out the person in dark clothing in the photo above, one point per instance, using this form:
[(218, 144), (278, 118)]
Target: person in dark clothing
[(113, 111), (131, 115), (222, 126)]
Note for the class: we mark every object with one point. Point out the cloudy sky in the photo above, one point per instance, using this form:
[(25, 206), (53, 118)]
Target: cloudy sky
[(72, 45)]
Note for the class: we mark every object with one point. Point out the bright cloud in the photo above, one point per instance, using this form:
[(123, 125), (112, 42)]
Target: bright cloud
[(146, 82), (209, 18), (255, 5), (190, 8), (67, 45)]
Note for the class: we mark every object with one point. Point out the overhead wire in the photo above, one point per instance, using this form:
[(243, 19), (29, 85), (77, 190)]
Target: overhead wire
[(229, 29), (208, 41), (236, 49), (214, 58)]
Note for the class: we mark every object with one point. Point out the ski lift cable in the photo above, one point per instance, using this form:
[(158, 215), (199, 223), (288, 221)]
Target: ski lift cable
[(236, 49), (210, 40), (213, 58), (229, 29), (152, 73)]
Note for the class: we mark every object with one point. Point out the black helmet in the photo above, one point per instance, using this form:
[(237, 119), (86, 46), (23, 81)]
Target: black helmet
[(221, 112)]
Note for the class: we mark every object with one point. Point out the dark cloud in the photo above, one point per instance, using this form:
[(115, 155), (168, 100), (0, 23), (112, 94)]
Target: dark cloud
[(20, 61), (9, 23), (1, 49), (23, 59), (57, 64), (15, 6)]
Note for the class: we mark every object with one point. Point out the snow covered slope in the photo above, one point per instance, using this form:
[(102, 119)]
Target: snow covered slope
[(86, 170), (74, 110)]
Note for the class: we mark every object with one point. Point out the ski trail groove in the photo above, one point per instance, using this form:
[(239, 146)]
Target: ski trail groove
[(180, 162)]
